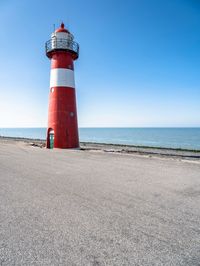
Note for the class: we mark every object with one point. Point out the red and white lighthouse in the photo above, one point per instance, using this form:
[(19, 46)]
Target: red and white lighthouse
[(62, 129)]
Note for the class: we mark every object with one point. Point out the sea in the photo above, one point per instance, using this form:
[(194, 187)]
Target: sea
[(178, 138)]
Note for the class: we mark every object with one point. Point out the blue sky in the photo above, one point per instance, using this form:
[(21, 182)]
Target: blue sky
[(139, 62)]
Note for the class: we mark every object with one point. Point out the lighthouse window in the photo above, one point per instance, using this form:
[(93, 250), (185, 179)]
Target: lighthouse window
[(71, 114), (52, 89)]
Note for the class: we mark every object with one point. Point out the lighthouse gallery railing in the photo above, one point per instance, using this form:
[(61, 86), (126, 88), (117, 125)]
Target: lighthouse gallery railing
[(62, 44)]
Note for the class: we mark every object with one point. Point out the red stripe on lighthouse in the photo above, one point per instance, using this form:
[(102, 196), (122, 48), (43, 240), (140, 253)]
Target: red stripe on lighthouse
[(62, 60)]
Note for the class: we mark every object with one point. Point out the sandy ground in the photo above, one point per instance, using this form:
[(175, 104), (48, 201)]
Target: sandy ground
[(90, 207)]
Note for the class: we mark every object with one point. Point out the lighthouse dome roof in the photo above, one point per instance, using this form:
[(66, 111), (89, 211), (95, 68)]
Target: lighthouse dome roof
[(62, 28)]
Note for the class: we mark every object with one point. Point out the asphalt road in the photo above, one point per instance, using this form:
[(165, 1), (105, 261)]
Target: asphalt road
[(61, 207)]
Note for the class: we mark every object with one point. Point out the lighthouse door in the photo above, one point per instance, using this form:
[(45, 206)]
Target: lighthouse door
[(51, 139)]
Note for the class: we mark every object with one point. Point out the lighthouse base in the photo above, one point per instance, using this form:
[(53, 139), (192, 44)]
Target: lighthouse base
[(62, 130), (63, 142)]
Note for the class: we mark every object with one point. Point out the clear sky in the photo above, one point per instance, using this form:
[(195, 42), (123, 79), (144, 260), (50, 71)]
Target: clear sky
[(139, 61)]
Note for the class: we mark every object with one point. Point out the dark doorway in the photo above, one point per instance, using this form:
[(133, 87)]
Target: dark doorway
[(51, 139)]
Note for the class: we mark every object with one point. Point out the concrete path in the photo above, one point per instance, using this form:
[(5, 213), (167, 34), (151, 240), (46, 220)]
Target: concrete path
[(61, 207)]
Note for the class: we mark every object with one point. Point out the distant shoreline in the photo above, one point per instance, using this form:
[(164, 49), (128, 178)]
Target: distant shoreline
[(189, 154), (106, 144)]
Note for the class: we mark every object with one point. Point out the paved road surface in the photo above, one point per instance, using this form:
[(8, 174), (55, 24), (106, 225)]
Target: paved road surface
[(93, 208)]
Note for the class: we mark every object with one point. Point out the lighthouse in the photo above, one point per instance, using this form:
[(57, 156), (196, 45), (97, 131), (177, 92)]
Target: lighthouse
[(62, 130)]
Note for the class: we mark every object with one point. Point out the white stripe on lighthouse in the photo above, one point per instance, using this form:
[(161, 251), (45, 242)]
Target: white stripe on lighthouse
[(62, 77)]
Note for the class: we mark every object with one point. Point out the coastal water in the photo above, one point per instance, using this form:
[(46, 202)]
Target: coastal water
[(185, 138)]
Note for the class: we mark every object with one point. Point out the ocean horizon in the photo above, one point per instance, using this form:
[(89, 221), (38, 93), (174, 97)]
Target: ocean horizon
[(166, 137)]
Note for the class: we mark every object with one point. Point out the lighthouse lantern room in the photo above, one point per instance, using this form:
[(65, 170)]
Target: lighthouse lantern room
[(62, 130)]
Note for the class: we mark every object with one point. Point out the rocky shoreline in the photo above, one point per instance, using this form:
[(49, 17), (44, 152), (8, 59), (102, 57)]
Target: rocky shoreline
[(120, 149)]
